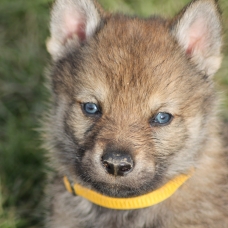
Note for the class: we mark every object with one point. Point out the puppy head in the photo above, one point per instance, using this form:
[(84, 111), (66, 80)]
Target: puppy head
[(133, 98)]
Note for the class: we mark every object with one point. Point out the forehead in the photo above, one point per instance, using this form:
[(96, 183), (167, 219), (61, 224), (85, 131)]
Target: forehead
[(135, 60)]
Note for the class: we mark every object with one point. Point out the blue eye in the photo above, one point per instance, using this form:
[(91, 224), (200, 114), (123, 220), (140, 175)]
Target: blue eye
[(162, 118), (91, 108)]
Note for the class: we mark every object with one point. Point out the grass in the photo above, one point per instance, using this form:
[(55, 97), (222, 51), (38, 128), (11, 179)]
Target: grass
[(23, 57)]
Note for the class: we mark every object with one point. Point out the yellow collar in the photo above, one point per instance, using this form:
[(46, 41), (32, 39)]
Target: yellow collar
[(143, 201)]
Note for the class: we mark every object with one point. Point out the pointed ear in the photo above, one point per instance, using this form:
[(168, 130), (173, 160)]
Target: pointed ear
[(72, 22), (197, 29)]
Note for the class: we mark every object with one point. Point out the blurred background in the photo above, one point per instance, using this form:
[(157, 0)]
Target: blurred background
[(23, 59)]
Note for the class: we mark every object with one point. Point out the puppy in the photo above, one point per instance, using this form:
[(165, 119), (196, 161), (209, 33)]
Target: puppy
[(133, 127)]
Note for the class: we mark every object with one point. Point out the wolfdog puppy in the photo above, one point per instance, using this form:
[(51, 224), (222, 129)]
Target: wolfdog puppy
[(133, 127)]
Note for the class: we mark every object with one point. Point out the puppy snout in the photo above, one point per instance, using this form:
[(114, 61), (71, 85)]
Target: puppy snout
[(117, 163)]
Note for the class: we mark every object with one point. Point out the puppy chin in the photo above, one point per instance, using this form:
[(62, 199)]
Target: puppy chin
[(116, 191), (125, 191)]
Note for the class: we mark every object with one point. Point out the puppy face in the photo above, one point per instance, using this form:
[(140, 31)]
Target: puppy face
[(131, 109)]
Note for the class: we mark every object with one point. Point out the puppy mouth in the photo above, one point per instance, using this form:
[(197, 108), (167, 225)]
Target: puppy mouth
[(125, 190), (131, 185), (116, 191)]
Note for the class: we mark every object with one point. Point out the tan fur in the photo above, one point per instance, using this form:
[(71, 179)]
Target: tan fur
[(133, 69)]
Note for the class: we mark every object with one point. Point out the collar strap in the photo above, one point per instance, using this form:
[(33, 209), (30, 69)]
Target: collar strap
[(137, 202)]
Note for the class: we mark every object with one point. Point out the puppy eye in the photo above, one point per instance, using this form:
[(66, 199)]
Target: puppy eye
[(162, 118), (91, 108)]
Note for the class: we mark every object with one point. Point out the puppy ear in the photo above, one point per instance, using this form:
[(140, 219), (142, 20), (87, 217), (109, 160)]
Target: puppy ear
[(197, 29), (72, 22)]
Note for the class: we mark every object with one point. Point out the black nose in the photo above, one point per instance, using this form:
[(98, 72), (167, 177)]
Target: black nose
[(117, 163)]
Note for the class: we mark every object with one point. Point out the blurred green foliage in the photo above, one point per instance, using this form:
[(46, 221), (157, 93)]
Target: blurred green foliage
[(23, 58)]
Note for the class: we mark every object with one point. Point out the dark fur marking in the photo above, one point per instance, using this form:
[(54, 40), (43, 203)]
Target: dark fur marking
[(68, 130)]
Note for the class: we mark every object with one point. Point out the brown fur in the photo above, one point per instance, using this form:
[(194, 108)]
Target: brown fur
[(133, 69)]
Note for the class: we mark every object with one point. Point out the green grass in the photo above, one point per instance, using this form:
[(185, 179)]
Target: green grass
[(23, 31), (23, 58)]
